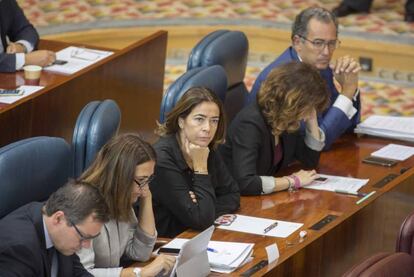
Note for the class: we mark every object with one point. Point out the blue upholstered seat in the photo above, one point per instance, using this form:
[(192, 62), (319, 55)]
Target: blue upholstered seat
[(96, 124), (230, 50), (212, 77), (31, 169)]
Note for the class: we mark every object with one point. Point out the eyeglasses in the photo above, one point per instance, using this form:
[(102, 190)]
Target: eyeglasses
[(143, 182), (319, 44), (82, 236)]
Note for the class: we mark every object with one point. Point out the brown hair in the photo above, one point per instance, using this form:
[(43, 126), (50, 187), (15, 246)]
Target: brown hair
[(113, 171), (289, 92), (191, 98)]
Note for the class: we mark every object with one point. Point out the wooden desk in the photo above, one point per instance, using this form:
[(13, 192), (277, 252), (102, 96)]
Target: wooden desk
[(358, 232), (133, 77)]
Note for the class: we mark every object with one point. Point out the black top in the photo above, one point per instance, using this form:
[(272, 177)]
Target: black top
[(249, 150), (217, 193), (23, 247)]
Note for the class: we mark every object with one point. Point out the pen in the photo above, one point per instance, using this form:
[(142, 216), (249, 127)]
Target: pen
[(360, 194), (270, 227), (365, 197), (212, 250)]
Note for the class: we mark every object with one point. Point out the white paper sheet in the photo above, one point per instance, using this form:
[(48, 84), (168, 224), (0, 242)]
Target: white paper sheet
[(77, 58), (228, 256), (272, 253), (257, 225), (395, 152), (27, 91), (338, 183), (388, 126)]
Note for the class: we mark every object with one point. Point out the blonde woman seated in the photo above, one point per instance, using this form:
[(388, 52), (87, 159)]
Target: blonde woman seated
[(265, 136), (192, 186), (122, 170)]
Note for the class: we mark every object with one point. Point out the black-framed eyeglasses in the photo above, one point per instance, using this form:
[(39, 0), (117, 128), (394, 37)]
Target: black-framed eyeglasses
[(145, 181), (319, 44), (82, 236)]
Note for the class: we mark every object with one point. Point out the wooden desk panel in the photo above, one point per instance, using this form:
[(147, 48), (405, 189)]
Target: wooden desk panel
[(358, 232), (133, 77)]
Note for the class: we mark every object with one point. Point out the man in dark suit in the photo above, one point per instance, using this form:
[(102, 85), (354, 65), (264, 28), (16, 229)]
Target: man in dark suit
[(314, 40), (41, 239), (23, 38)]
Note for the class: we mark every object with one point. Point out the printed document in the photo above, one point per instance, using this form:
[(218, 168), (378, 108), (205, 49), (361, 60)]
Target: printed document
[(388, 126), (223, 256), (338, 183), (27, 91), (77, 58), (394, 152), (260, 226)]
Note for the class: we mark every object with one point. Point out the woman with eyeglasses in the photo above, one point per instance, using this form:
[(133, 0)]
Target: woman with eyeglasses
[(266, 136), (121, 171), (192, 186)]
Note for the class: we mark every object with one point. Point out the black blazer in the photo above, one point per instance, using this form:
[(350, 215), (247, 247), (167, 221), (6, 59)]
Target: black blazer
[(217, 193), (14, 24), (23, 247), (249, 150)]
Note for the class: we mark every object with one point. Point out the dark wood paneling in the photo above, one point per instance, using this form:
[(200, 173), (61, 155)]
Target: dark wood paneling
[(133, 77)]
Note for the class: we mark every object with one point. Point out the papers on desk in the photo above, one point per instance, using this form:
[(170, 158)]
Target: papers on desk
[(77, 58), (394, 152), (338, 183), (260, 226), (27, 91), (224, 257), (388, 126)]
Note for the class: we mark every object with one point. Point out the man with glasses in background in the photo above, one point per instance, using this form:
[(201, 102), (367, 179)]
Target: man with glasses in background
[(314, 40), (40, 239)]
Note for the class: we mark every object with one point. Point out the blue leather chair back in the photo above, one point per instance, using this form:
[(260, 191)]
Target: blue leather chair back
[(212, 77), (31, 169), (96, 124), (230, 50)]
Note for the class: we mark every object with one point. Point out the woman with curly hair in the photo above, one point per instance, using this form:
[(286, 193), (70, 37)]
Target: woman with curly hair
[(266, 136)]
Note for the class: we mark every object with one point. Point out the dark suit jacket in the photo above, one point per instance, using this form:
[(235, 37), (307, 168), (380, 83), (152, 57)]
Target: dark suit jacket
[(23, 246), (15, 25), (217, 193), (249, 150), (333, 121)]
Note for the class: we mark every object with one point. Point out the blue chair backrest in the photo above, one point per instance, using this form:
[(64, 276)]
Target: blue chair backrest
[(230, 50), (31, 169), (212, 77), (97, 123)]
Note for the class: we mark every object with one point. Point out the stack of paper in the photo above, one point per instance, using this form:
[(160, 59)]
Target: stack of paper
[(224, 257), (394, 152), (76, 58), (388, 126)]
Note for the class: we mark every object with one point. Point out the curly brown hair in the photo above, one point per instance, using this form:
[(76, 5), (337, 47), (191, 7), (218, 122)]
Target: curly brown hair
[(289, 93), (191, 98)]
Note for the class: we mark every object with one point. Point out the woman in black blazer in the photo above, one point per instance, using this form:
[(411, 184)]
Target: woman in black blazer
[(192, 185), (266, 136)]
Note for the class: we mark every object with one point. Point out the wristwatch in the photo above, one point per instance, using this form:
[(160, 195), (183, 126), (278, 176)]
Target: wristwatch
[(137, 271)]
